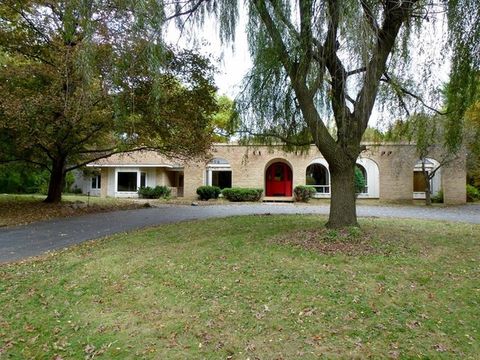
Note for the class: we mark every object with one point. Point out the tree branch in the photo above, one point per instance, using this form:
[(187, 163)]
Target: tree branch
[(387, 79), (186, 12), (370, 17), (395, 13), (276, 38), (356, 71)]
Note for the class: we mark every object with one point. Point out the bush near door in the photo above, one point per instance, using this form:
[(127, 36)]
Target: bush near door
[(303, 192), (242, 194)]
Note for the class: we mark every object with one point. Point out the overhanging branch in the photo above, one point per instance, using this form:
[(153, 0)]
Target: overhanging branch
[(401, 89)]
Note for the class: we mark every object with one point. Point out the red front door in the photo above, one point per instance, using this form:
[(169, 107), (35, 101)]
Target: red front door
[(279, 180)]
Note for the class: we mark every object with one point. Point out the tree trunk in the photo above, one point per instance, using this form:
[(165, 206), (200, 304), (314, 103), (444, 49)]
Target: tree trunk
[(57, 181), (343, 212), (428, 190)]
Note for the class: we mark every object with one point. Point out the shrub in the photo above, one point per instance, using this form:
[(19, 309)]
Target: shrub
[(303, 192), (438, 198), (359, 181), (154, 193), (242, 194), (76, 190), (473, 194), (208, 192)]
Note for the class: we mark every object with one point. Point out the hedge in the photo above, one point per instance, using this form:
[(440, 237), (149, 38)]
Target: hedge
[(154, 193), (242, 194), (208, 192)]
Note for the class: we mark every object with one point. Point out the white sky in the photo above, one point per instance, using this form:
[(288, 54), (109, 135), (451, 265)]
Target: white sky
[(233, 61)]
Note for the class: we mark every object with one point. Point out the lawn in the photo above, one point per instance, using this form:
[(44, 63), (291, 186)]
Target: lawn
[(23, 209), (266, 287)]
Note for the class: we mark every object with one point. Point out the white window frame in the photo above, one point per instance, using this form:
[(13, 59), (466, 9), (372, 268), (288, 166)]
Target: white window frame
[(97, 178), (327, 187), (128, 170), (216, 164)]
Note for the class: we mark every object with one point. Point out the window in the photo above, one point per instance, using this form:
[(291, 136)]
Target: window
[(143, 179), (318, 177), (96, 182), (127, 181), (219, 173), (278, 172)]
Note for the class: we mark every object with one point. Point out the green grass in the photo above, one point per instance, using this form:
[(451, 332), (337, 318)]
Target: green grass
[(228, 288)]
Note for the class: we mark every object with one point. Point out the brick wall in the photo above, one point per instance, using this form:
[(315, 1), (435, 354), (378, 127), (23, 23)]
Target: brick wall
[(248, 166)]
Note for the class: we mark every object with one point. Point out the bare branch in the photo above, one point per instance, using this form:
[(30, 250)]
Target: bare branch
[(356, 71)]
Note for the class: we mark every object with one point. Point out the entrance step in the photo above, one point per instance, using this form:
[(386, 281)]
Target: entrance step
[(278, 199)]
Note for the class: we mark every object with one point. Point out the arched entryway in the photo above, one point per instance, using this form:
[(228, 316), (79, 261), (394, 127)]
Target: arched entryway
[(278, 180), (420, 182), (318, 176)]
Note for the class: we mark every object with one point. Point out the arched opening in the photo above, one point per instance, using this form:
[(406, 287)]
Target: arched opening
[(219, 173), (371, 175), (278, 180), (365, 178), (318, 176), (431, 181)]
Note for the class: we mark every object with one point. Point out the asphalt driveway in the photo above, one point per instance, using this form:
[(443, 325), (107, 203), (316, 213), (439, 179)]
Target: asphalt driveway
[(34, 239)]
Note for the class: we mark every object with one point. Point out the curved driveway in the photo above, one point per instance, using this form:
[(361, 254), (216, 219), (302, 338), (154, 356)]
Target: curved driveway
[(34, 239)]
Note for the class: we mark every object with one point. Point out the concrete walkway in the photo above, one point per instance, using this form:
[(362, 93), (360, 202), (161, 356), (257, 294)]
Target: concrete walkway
[(34, 239)]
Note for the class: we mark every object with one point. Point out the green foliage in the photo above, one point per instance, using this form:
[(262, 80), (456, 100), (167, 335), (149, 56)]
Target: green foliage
[(226, 120), (438, 198), (242, 194), (208, 192), (154, 193), (359, 181), (21, 179), (75, 86), (473, 194), (303, 192)]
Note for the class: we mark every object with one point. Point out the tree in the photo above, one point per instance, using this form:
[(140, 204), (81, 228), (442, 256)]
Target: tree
[(81, 80), (472, 117), (225, 122), (313, 59)]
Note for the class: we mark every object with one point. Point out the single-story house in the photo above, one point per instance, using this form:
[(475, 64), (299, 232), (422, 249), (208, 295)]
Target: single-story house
[(392, 172)]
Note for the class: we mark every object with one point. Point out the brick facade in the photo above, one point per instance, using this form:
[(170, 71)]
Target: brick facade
[(395, 163)]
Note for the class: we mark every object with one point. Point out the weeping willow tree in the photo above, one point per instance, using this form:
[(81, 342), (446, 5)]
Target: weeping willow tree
[(83, 79), (314, 61)]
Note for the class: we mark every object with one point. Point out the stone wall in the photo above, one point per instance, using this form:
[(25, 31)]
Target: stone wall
[(249, 164)]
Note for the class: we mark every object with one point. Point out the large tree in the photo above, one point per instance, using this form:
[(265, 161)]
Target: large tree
[(83, 79), (313, 60)]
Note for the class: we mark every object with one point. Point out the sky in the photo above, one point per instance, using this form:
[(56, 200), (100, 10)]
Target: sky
[(233, 60)]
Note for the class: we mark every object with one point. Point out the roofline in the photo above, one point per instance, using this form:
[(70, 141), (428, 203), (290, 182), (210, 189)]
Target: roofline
[(135, 165)]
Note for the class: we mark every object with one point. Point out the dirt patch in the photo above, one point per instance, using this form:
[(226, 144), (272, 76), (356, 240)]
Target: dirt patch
[(350, 241)]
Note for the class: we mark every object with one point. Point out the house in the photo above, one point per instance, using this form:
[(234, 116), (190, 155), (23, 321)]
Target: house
[(392, 172)]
